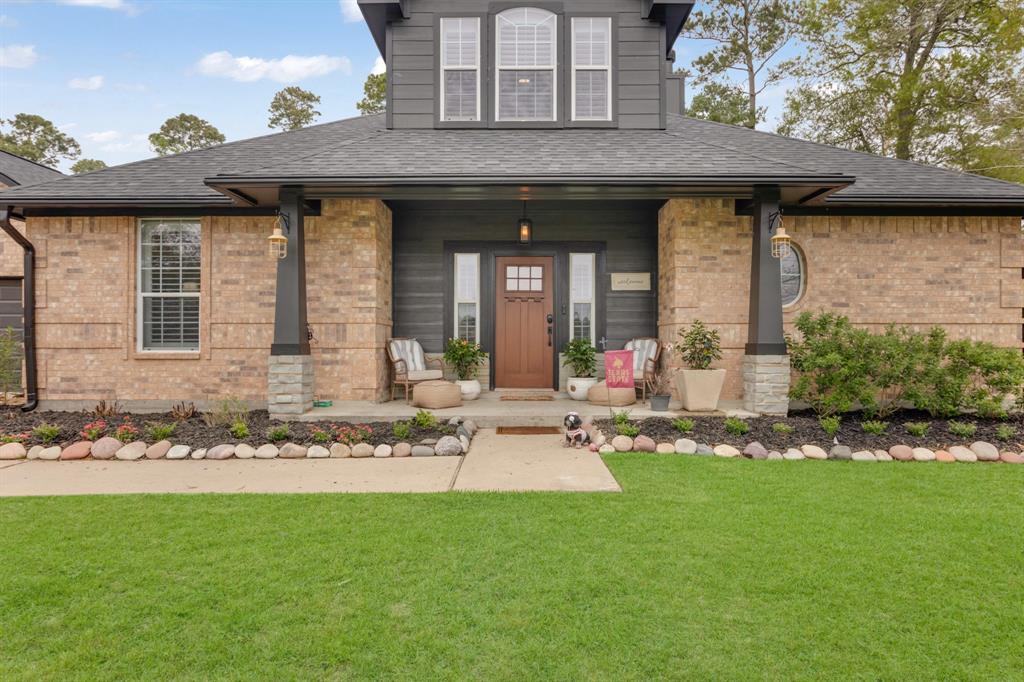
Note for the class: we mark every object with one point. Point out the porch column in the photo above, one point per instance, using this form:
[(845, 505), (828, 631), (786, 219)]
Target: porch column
[(765, 362), (290, 370)]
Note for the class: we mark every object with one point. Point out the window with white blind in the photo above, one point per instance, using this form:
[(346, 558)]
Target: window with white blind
[(591, 68), (467, 296), (168, 285), (526, 62), (581, 295), (460, 69)]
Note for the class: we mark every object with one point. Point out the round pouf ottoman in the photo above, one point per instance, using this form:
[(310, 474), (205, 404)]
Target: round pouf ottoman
[(434, 395), (598, 395)]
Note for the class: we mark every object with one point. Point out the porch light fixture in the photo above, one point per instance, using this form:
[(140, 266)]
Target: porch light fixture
[(525, 228), (780, 240), (277, 241)]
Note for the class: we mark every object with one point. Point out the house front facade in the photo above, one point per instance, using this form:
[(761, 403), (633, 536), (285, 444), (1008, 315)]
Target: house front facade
[(533, 181)]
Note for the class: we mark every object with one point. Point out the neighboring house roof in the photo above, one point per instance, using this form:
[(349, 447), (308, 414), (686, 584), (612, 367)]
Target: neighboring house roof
[(361, 152), (18, 171)]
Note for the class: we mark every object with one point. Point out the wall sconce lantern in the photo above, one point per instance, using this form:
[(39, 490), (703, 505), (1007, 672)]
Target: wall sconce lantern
[(525, 228), (780, 240), (277, 241)]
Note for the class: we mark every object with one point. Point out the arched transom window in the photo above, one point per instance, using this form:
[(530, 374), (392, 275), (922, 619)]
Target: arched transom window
[(526, 62)]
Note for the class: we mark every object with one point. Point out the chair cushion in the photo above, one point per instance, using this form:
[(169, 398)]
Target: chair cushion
[(620, 397), (642, 350), (424, 374), (410, 351), (436, 394)]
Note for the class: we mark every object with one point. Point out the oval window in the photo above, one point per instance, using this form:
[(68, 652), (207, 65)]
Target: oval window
[(792, 270)]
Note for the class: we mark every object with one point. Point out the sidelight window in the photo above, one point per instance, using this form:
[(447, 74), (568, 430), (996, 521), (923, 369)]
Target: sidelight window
[(460, 69), (581, 295), (168, 285), (467, 296), (526, 63)]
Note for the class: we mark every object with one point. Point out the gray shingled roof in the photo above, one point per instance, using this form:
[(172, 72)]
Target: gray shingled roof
[(21, 171), (362, 149)]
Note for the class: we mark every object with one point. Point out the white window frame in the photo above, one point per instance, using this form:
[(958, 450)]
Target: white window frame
[(140, 295), (553, 68), (576, 68), (458, 300), (444, 68), (592, 257)]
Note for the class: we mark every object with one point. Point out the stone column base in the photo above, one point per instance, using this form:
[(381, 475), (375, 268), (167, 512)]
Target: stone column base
[(766, 384), (290, 384)]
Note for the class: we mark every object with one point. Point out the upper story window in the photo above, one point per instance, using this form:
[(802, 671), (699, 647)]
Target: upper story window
[(460, 69), (168, 285), (591, 69), (526, 63)]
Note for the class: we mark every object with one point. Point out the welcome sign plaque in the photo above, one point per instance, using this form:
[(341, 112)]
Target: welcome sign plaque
[(631, 281)]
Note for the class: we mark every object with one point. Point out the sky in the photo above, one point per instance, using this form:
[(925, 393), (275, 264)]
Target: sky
[(110, 72)]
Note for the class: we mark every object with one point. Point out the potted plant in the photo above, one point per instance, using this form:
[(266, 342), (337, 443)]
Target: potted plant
[(661, 391), (465, 358), (699, 386), (581, 358)]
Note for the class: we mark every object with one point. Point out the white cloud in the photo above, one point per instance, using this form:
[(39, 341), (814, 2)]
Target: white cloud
[(90, 83), (17, 56), (105, 136), (120, 5), (350, 10), (379, 66), (7, 22), (288, 69)]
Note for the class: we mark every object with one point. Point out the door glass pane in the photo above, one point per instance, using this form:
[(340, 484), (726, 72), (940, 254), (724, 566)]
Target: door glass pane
[(537, 284), (467, 322), (512, 284), (581, 325)]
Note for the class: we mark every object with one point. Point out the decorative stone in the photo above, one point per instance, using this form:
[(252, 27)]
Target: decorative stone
[(178, 452), (793, 454), (15, 451), (841, 452), (470, 426), (882, 456), (79, 450), (665, 449), (1011, 458), (704, 450), (962, 454), (813, 452), (219, 452), (244, 451), (199, 453), (448, 446), (340, 450), (923, 455), (158, 450), (317, 452), (774, 455), (462, 432), (944, 456), (606, 449), (986, 452), (292, 451), (104, 448), (599, 439), (863, 456), (454, 421), (620, 443), (644, 444), (33, 452), (401, 450), (464, 442), (429, 441), (593, 447), (382, 450), (726, 450), (685, 446), (422, 451), (268, 451), (132, 451), (755, 451), (50, 454), (901, 453)]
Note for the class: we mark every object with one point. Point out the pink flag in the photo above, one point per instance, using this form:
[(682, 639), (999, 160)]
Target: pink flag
[(618, 368)]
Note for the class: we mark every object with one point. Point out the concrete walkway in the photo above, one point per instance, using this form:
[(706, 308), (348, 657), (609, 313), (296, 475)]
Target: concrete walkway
[(494, 463)]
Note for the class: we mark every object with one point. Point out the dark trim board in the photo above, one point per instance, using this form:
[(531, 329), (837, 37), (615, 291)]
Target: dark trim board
[(312, 208), (743, 207)]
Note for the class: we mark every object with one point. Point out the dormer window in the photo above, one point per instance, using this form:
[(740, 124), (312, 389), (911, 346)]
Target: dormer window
[(460, 69), (526, 63), (591, 69)]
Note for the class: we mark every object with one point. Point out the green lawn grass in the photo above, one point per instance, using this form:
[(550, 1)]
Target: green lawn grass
[(701, 569)]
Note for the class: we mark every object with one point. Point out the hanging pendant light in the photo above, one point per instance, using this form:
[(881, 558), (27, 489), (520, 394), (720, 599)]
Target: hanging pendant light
[(277, 241), (525, 228), (780, 240)]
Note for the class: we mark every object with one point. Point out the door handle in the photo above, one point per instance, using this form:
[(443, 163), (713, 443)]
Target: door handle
[(549, 335), (550, 318)]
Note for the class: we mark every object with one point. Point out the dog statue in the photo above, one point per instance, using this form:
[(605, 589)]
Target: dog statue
[(575, 434)]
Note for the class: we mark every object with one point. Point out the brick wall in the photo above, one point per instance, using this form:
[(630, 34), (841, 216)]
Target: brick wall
[(963, 273)]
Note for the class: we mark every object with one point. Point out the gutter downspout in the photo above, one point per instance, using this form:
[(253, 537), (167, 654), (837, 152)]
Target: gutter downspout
[(29, 311)]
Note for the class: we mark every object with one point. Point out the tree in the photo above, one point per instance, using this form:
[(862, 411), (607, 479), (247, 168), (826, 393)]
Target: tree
[(184, 133), (87, 166), (36, 139), (293, 108), (722, 103), (749, 35), (375, 90), (935, 81)]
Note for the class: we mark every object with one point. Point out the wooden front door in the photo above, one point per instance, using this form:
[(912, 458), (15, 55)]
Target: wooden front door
[(524, 322)]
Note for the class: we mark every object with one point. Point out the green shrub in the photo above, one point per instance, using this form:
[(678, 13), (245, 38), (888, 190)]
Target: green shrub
[(699, 346), (320, 435), (736, 426), (683, 425), (239, 430), (46, 433), (464, 357), (1005, 432), (620, 417), (831, 424), (875, 428), (782, 428), (918, 429), (581, 356), (425, 420), (159, 431), (276, 434), (962, 429), (631, 430), (401, 430)]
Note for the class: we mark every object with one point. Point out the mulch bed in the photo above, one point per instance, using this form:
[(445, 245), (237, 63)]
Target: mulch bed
[(807, 430), (195, 432)]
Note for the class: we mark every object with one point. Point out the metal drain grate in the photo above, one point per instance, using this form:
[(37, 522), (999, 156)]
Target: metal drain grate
[(529, 431)]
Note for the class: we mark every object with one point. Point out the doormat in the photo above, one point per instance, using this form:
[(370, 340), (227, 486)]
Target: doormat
[(527, 396), (528, 431)]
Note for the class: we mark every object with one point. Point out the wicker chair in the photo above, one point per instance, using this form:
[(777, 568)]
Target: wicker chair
[(409, 366), (646, 353)]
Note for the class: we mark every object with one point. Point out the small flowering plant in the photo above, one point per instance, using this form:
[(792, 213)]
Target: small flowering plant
[(127, 432), (15, 437), (350, 435), (464, 357), (94, 430), (320, 435)]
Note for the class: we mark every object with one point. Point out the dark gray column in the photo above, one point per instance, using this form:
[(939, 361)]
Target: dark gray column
[(764, 328), (290, 305)]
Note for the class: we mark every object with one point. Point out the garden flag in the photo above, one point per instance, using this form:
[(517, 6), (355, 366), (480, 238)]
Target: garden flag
[(618, 368)]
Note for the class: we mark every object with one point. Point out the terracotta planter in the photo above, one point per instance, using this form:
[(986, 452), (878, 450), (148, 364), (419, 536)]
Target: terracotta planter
[(470, 389), (700, 389), (577, 387)]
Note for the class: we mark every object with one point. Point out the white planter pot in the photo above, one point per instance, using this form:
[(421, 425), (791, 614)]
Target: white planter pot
[(700, 389), (469, 389), (577, 387)]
